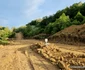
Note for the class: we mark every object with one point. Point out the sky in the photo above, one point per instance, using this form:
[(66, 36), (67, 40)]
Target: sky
[(16, 13)]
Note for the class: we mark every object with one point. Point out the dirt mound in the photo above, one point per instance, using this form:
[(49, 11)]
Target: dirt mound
[(19, 36), (74, 34), (65, 60)]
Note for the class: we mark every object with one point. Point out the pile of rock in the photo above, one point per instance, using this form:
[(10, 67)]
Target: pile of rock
[(62, 59)]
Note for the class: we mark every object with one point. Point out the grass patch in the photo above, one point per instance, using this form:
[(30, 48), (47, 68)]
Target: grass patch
[(4, 42)]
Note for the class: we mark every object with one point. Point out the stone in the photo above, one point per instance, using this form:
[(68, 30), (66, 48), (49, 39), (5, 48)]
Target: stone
[(50, 55), (52, 59), (61, 58), (61, 64)]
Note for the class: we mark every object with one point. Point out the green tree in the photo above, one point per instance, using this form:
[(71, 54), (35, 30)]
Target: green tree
[(83, 20), (82, 9), (79, 17), (49, 28), (75, 22), (33, 31), (4, 33), (63, 21)]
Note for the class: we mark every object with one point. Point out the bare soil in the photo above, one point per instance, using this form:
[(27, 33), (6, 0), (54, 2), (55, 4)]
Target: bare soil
[(74, 34), (18, 56)]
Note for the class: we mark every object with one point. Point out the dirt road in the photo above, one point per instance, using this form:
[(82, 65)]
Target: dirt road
[(20, 57)]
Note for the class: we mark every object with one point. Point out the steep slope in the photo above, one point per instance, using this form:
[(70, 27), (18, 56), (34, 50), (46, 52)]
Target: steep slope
[(74, 34)]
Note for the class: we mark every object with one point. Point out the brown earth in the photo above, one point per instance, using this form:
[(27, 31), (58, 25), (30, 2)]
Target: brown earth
[(74, 34), (18, 56), (62, 55)]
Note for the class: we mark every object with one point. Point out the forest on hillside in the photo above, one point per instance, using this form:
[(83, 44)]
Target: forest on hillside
[(49, 25)]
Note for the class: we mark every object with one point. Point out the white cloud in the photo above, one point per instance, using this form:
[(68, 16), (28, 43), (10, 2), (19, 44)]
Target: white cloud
[(33, 7)]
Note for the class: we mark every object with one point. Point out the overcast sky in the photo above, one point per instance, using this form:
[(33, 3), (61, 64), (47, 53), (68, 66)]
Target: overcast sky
[(15, 13)]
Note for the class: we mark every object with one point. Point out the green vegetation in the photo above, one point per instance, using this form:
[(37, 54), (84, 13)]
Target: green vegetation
[(5, 33), (4, 42), (73, 15)]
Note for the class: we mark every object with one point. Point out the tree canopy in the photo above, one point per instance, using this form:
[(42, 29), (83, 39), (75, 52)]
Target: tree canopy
[(73, 15)]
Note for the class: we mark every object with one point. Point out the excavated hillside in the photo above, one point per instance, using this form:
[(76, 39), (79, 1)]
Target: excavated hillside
[(74, 34)]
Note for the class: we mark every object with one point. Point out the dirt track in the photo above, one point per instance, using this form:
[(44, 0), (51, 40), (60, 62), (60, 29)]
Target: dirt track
[(21, 57)]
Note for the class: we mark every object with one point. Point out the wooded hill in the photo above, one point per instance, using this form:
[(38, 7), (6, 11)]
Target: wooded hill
[(49, 25), (73, 15)]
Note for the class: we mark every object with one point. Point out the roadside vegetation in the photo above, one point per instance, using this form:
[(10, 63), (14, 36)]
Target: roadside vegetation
[(5, 33)]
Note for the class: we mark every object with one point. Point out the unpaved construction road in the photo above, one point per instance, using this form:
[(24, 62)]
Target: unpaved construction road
[(20, 57)]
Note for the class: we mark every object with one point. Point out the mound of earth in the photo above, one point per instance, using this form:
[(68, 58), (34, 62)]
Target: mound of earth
[(74, 34), (65, 60)]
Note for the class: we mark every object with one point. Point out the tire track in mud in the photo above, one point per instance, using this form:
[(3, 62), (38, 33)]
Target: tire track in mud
[(21, 57), (40, 63), (29, 61)]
